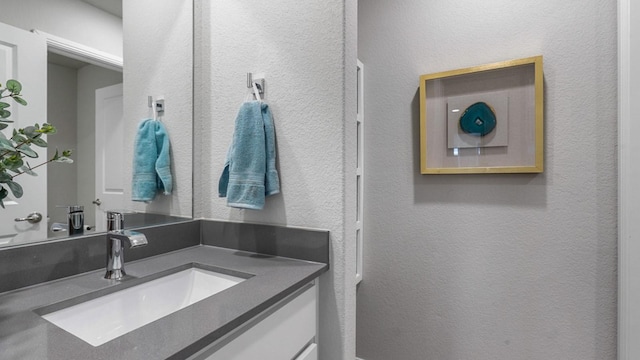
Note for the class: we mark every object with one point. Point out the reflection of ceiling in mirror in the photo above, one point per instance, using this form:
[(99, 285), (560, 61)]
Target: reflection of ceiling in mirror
[(53, 58), (111, 6)]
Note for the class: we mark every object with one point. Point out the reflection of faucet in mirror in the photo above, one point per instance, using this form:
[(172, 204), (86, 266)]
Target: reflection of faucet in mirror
[(116, 235), (75, 219)]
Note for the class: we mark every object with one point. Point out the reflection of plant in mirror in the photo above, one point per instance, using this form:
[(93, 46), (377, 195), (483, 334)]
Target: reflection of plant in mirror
[(13, 150)]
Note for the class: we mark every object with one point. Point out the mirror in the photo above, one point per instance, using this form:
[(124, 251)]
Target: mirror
[(85, 40)]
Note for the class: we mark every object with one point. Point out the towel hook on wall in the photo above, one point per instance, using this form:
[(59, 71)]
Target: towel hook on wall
[(156, 106), (258, 81)]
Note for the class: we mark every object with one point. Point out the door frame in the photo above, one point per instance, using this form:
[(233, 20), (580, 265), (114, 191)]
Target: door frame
[(628, 176), (77, 51), (74, 50)]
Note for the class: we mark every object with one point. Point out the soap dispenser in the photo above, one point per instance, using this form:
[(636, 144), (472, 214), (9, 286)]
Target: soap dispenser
[(75, 219)]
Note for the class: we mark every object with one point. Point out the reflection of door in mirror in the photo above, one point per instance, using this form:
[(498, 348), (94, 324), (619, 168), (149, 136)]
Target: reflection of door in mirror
[(75, 113), (109, 164), (23, 57), (72, 109)]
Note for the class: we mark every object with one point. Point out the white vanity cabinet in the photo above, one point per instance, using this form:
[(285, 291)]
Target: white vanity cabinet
[(285, 331)]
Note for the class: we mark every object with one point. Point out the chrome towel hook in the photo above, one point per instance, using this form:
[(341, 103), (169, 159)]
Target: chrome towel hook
[(259, 83), (156, 106)]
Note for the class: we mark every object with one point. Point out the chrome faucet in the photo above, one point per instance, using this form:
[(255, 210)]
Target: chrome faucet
[(115, 251)]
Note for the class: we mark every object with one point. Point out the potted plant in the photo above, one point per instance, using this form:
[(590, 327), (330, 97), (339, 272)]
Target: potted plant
[(15, 150)]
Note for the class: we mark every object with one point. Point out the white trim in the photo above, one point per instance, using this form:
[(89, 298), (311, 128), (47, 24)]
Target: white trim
[(77, 51), (360, 173), (628, 194)]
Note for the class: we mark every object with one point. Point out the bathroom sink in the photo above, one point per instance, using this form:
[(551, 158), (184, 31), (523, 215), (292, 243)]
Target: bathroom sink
[(102, 319)]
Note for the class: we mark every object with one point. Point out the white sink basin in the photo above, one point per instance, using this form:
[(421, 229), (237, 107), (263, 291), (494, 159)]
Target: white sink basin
[(107, 317)]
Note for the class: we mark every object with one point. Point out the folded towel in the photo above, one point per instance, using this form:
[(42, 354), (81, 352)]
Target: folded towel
[(250, 170), (151, 161)]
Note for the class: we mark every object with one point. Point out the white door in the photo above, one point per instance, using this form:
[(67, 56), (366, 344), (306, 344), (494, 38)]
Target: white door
[(110, 155), (23, 57)]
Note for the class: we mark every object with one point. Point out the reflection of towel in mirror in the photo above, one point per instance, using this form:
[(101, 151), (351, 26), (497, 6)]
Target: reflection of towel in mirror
[(151, 161), (250, 170)]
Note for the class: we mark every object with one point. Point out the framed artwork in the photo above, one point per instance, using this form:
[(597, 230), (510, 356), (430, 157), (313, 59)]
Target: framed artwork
[(483, 119)]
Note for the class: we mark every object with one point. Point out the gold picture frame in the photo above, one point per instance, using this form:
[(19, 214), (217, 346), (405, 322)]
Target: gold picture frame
[(483, 119)]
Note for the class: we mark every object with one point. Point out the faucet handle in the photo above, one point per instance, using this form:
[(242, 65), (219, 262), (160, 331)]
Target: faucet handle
[(115, 220)]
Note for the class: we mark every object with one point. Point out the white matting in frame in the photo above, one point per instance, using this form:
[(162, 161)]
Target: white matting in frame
[(456, 105)]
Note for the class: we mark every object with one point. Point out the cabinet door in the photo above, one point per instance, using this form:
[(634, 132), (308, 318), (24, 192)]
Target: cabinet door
[(281, 335)]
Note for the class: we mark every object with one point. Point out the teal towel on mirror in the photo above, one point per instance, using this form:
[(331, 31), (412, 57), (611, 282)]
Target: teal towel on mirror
[(250, 174), (151, 162)]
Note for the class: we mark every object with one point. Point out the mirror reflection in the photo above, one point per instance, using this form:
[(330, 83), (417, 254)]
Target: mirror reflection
[(78, 93), (77, 85)]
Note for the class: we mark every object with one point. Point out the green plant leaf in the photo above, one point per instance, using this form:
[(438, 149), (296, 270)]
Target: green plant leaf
[(4, 105), (39, 142), (67, 153), (4, 177), (13, 162), (18, 138), (6, 145), (30, 131), (47, 129), (14, 86), (64, 159), (15, 188), (27, 170), (4, 113), (3, 126), (20, 100), (27, 151)]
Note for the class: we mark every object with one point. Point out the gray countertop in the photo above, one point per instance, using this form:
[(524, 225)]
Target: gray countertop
[(25, 335)]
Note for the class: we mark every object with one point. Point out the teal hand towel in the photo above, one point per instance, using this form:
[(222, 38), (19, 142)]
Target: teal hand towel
[(151, 162), (250, 172)]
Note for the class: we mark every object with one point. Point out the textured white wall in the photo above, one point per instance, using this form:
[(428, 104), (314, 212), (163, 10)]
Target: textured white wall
[(70, 19), (490, 266), (158, 57), (90, 78), (303, 49), (62, 179)]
